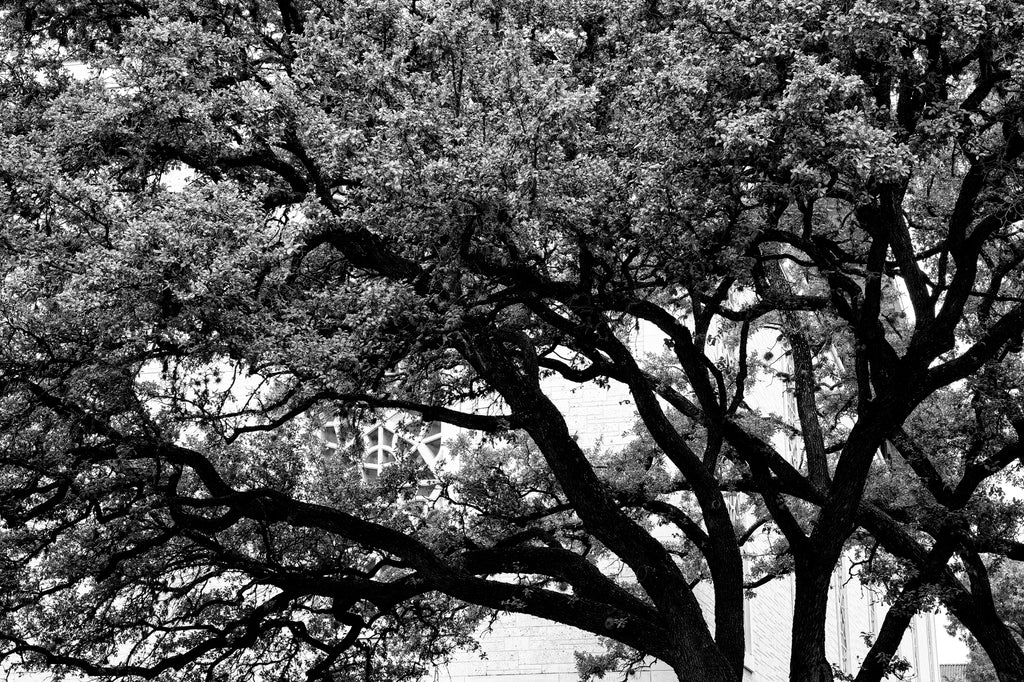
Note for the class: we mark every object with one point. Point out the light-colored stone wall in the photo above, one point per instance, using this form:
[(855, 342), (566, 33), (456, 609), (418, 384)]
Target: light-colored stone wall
[(521, 648), (771, 619)]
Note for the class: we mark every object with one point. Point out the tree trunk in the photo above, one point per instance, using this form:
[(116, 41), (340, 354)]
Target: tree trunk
[(994, 637), (1006, 655), (977, 611), (808, 662), (712, 668), (895, 625)]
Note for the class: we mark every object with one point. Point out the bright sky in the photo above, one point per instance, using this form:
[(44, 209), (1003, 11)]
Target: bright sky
[(950, 649)]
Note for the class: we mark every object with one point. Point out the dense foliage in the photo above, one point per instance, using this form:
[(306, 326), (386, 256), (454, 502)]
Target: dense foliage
[(226, 222)]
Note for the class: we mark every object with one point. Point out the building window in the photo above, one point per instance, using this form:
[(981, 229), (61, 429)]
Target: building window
[(929, 636), (385, 444), (915, 646), (842, 619), (872, 612), (380, 451), (748, 633)]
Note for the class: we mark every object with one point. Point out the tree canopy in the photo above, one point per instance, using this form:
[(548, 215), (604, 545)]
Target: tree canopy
[(225, 222)]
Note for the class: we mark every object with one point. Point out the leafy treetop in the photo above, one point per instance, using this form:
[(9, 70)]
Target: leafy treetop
[(224, 221)]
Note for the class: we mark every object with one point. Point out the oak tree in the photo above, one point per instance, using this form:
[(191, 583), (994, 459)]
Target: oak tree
[(226, 222)]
